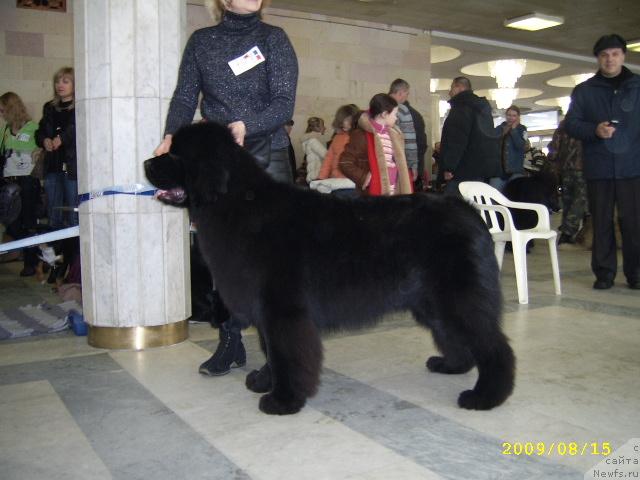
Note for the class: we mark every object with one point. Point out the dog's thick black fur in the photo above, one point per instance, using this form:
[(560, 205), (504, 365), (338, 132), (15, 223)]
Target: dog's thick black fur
[(294, 262), (540, 187)]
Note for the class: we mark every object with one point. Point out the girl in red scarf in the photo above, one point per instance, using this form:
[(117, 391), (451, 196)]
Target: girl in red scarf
[(374, 158)]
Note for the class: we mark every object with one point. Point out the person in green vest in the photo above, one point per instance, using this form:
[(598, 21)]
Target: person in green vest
[(17, 147)]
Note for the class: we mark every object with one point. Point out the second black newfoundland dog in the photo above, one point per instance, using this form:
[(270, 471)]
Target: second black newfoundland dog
[(294, 262)]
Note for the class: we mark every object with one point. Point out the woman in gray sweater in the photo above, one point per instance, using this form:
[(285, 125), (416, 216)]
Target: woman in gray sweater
[(247, 73)]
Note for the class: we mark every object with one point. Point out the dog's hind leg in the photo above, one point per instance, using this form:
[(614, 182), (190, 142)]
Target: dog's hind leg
[(294, 353), (496, 373), (259, 381), (456, 357), (478, 325)]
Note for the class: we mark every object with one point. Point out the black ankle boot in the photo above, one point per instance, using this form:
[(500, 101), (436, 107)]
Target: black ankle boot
[(230, 352), (564, 238), (53, 274)]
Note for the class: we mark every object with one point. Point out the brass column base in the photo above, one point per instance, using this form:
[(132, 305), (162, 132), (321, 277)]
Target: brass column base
[(138, 338)]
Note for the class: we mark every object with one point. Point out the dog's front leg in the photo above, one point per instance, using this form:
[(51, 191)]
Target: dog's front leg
[(259, 381), (294, 356)]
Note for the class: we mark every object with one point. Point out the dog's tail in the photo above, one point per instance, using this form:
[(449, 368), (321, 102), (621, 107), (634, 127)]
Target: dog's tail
[(496, 375)]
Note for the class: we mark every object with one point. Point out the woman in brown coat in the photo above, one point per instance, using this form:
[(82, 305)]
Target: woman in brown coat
[(374, 157)]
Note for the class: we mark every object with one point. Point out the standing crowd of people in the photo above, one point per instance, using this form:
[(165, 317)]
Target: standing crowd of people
[(41, 157)]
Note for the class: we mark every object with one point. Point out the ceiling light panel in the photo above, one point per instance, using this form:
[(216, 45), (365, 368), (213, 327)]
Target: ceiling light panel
[(534, 21)]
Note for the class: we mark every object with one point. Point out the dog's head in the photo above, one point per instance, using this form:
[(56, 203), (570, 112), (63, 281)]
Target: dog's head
[(195, 171)]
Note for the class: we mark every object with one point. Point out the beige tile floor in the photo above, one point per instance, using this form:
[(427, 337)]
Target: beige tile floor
[(71, 411)]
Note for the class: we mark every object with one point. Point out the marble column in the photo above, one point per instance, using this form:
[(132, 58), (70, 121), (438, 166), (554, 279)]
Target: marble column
[(135, 252)]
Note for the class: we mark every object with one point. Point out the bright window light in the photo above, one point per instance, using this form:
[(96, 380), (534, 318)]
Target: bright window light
[(564, 103), (534, 21), (443, 108), (582, 77)]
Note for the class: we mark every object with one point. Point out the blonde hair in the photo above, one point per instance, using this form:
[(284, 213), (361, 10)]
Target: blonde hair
[(15, 113), (314, 124), (68, 73), (216, 8), (513, 108)]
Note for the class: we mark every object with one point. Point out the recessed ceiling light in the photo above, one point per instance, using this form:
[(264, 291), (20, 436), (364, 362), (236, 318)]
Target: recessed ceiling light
[(533, 66), (440, 53), (562, 102), (534, 21), (569, 81), (634, 45)]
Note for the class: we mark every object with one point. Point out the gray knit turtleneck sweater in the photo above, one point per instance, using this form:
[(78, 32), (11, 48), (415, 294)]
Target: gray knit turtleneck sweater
[(263, 97)]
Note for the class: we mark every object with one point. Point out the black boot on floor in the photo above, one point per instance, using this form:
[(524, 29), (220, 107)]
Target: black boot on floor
[(53, 274), (564, 238), (229, 354), (27, 272), (602, 284)]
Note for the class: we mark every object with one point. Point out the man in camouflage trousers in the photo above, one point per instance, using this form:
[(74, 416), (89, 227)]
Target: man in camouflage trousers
[(566, 153)]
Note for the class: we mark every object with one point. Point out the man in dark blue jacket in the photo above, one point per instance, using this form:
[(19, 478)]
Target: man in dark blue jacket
[(605, 115)]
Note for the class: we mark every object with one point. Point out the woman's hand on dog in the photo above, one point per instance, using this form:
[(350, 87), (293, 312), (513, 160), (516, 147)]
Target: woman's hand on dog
[(238, 130), (164, 146)]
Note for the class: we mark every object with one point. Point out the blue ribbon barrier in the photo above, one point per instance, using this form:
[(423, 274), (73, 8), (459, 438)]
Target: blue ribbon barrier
[(38, 239), (133, 189)]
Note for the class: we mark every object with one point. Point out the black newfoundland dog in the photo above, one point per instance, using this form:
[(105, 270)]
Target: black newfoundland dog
[(293, 262)]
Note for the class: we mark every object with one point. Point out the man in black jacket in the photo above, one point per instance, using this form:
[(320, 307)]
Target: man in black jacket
[(604, 115), (470, 148)]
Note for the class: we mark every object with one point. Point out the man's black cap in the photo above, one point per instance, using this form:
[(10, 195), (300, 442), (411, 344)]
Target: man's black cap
[(609, 41)]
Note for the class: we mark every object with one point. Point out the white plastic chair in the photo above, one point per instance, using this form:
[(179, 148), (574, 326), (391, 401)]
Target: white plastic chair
[(493, 204)]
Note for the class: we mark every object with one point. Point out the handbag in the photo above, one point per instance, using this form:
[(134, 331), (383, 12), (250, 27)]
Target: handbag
[(328, 185), (260, 147), (38, 156), (10, 202)]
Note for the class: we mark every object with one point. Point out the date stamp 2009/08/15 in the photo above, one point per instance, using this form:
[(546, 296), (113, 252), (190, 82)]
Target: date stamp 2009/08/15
[(562, 449)]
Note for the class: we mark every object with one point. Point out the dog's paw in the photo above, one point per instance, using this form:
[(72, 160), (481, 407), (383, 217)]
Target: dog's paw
[(259, 381), (436, 364), (271, 405), (472, 400), (440, 365)]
